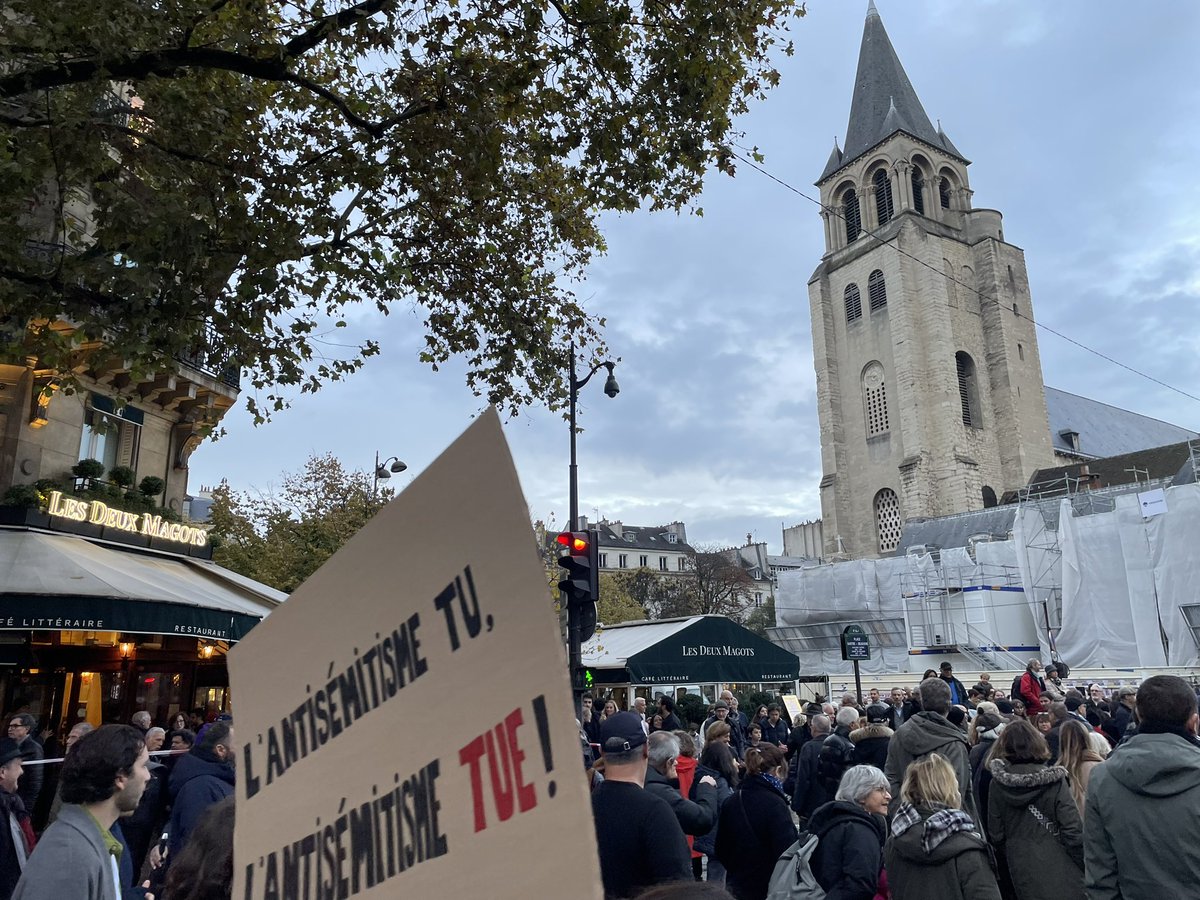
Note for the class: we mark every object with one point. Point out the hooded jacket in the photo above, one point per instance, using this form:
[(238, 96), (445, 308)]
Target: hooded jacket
[(695, 816), (958, 868), (871, 745), (925, 733), (1034, 825), (1142, 834), (197, 782), (849, 854)]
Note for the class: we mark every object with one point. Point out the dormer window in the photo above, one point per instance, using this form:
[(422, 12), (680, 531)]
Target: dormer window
[(672, 538), (628, 536)]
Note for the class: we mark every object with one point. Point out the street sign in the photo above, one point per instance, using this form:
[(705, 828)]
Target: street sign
[(855, 643)]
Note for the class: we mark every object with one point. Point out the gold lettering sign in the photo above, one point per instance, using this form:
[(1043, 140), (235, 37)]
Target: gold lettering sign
[(98, 513)]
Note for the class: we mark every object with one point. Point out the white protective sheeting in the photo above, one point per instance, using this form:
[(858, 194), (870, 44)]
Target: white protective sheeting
[(858, 591), (1174, 539), (1040, 565)]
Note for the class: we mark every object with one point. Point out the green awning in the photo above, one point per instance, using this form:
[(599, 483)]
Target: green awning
[(703, 649)]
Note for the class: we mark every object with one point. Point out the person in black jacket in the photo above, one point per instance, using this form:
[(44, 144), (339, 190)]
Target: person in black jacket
[(850, 834), (871, 742), (666, 708), (837, 753), (638, 838), (695, 816), (774, 728), (755, 825), (958, 693), (809, 792), (21, 728)]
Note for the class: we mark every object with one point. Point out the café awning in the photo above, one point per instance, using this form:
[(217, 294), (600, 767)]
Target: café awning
[(693, 650), (51, 582)]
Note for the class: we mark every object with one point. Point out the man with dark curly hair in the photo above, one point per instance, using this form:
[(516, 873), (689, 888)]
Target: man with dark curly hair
[(78, 856)]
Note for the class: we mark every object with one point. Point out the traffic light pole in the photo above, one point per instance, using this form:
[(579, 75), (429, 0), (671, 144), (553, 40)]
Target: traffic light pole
[(574, 632)]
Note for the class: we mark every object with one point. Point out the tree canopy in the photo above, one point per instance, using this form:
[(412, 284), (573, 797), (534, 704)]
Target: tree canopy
[(282, 537), (224, 177)]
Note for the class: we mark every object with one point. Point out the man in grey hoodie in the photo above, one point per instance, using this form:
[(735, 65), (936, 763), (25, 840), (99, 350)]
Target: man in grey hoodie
[(1141, 834), (929, 731)]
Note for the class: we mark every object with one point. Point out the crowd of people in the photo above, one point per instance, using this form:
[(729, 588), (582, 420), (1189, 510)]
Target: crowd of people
[(1038, 791), (124, 810)]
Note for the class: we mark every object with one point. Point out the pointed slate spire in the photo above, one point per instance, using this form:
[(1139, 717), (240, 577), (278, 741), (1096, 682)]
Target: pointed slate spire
[(835, 158), (884, 99)]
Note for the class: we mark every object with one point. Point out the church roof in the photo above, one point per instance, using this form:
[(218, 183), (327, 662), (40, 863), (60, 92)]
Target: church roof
[(1105, 430), (884, 100)]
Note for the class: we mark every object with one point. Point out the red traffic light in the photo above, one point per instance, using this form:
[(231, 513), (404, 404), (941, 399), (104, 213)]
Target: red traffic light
[(575, 541)]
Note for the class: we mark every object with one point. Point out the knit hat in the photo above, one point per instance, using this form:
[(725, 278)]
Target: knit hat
[(1006, 708), (986, 721), (1073, 704), (720, 704), (956, 715), (9, 750)]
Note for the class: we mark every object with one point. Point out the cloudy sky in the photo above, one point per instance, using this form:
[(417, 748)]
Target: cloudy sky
[(1081, 122)]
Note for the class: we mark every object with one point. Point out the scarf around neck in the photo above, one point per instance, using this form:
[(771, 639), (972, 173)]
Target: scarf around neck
[(938, 827)]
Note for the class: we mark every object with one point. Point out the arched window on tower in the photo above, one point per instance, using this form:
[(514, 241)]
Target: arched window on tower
[(876, 290), (918, 190), (850, 213), (875, 400), (853, 303), (888, 523), (968, 389), (883, 196), (944, 192), (989, 497)]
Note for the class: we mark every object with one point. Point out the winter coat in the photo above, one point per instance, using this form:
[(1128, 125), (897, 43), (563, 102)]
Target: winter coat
[(1119, 723), (1141, 831), (1031, 694), (775, 734), (871, 745), (14, 826), (810, 792), (707, 843), (30, 784), (70, 861), (981, 778), (925, 733), (849, 854), (1041, 863), (755, 828), (958, 693), (837, 755), (695, 816), (197, 782), (959, 868), (671, 722), (799, 736)]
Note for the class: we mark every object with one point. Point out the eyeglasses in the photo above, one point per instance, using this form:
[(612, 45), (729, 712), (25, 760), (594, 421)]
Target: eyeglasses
[(16, 724)]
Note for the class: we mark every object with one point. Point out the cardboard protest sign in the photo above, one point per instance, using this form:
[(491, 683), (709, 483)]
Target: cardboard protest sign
[(404, 721), (793, 706)]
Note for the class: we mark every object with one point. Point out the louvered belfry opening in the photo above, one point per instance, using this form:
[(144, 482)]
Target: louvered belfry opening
[(944, 192), (853, 302), (850, 213), (918, 190), (965, 368), (883, 196), (888, 524), (877, 290)]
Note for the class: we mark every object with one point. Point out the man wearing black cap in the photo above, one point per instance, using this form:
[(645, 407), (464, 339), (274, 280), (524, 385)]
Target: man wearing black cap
[(958, 693), (13, 851), (871, 742), (638, 837)]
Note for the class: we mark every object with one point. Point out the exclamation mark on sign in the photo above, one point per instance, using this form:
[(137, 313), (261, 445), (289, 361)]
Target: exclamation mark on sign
[(543, 727)]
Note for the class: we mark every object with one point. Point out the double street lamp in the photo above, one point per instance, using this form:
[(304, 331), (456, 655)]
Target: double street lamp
[(383, 471)]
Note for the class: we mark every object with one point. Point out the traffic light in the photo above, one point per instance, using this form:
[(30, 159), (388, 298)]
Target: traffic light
[(580, 584)]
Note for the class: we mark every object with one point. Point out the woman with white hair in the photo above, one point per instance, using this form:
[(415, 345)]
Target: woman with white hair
[(850, 832)]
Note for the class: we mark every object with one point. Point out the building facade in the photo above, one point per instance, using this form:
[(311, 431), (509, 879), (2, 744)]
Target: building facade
[(929, 382)]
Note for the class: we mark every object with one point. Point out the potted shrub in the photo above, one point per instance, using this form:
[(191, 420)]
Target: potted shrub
[(87, 471), (121, 476), (151, 486)]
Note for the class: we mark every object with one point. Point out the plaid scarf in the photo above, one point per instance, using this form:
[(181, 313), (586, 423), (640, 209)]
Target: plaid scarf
[(942, 824)]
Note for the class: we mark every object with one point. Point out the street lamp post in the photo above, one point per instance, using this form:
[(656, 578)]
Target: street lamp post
[(384, 472), (574, 630)]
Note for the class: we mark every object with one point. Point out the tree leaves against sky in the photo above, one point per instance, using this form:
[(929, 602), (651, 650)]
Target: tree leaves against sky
[(264, 167)]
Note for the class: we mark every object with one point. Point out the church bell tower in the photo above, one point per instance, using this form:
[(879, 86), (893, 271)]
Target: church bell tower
[(929, 383)]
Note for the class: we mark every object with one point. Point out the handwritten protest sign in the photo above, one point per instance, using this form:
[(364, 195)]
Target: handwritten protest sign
[(404, 720)]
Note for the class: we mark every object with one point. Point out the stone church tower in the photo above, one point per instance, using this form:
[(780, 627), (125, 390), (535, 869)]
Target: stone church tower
[(929, 384)]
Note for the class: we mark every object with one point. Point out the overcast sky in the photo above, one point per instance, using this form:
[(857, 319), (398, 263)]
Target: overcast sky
[(1081, 121)]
